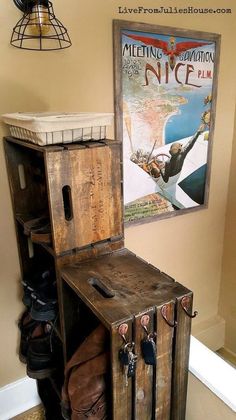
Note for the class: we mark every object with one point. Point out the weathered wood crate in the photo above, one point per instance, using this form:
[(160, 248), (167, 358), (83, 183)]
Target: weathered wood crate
[(79, 188), (121, 290), (77, 185)]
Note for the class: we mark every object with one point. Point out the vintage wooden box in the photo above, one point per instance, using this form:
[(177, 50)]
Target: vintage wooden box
[(122, 291), (79, 188), (77, 185)]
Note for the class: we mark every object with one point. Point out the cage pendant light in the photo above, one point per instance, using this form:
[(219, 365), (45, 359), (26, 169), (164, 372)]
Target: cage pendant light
[(39, 29)]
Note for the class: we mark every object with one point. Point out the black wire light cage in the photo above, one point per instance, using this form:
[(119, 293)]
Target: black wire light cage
[(39, 29)]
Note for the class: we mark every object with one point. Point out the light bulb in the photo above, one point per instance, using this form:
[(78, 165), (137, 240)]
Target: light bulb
[(39, 20)]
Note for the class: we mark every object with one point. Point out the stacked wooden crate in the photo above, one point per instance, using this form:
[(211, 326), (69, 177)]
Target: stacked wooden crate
[(79, 187)]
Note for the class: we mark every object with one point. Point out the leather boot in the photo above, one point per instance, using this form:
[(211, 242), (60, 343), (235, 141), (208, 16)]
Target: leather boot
[(44, 352), (26, 326)]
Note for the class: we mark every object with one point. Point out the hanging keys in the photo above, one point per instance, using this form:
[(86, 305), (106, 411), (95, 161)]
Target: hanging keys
[(124, 356), (128, 359), (132, 364), (148, 347)]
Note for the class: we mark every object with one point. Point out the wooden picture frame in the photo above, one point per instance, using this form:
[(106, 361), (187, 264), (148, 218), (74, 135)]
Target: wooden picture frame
[(165, 88)]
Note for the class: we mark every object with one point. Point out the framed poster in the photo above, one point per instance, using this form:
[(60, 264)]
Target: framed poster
[(165, 96)]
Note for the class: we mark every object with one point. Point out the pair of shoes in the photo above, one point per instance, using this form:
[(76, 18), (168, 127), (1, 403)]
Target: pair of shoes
[(42, 353), (33, 284), (26, 326), (40, 295), (39, 348)]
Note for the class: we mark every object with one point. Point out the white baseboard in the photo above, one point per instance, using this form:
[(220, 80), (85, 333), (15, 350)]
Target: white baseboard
[(17, 397), (211, 332), (217, 375)]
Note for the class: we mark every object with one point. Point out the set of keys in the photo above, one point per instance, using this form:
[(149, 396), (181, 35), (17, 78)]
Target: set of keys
[(128, 359), (148, 347), (127, 355)]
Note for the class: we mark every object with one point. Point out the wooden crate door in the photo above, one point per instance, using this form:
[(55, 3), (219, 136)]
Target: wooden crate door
[(88, 181)]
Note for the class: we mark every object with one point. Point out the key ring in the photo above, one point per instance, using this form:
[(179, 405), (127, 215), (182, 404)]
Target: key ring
[(129, 347), (152, 336)]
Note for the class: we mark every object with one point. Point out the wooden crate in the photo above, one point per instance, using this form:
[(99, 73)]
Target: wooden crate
[(37, 176), (120, 288), (78, 186)]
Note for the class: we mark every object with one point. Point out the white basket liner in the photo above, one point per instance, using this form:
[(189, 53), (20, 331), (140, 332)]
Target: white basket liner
[(53, 128), (48, 122)]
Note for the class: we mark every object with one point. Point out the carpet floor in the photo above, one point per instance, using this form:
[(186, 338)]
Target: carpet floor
[(36, 413)]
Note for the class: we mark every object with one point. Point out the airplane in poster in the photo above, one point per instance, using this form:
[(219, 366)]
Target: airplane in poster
[(144, 184), (171, 48)]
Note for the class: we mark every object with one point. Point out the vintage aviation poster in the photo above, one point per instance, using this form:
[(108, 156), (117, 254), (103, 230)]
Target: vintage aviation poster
[(167, 96)]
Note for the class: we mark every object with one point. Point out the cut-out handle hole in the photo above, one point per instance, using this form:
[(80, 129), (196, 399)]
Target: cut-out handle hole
[(21, 172), (67, 202), (30, 248), (101, 288)]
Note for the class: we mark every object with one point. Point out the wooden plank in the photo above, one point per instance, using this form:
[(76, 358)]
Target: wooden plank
[(137, 285), (30, 198), (143, 407), (104, 307), (121, 390), (91, 144), (97, 207), (110, 142), (181, 358), (33, 146), (89, 252), (164, 362), (73, 146), (93, 176)]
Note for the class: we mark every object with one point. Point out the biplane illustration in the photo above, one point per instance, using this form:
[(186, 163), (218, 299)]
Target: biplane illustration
[(184, 190), (171, 49)]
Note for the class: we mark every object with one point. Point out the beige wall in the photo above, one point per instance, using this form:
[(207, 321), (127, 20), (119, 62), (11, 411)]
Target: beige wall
[(227, 306), (80, 79)]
